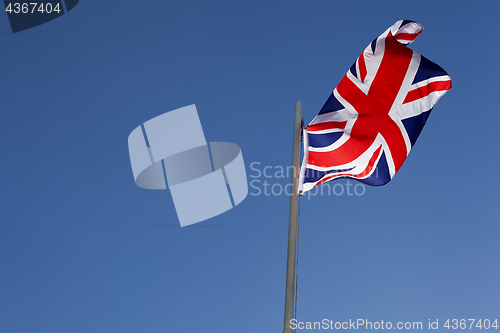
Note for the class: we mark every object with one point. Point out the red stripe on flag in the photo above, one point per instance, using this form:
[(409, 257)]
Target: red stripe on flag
[(415, 94), (362, 67), (407, 36), (363, 173), (327, 125)]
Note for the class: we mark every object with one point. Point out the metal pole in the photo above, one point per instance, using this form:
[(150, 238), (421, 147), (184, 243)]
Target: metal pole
[(292, 224)]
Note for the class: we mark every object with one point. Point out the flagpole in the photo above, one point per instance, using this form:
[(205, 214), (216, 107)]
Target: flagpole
[(292, 223)]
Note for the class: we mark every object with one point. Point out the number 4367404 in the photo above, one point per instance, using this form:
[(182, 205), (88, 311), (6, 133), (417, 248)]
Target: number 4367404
[(470, 323), (32, 7)]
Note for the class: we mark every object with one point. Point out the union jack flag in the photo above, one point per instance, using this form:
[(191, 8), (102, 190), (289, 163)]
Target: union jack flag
[(372, 119)]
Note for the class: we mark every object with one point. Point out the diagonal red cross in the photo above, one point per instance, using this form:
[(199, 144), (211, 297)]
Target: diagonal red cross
[(373, 109)]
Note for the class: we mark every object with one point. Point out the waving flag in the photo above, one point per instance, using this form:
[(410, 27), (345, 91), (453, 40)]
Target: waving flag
[(372, 119)]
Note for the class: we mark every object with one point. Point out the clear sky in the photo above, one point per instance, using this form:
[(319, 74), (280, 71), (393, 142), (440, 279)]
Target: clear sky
[(83, 249)]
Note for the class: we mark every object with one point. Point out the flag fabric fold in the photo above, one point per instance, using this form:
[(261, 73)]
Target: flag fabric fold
[(372, 119)]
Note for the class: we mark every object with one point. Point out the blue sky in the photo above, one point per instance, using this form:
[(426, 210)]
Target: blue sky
[(83, 249)]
